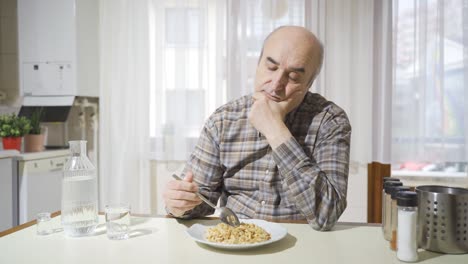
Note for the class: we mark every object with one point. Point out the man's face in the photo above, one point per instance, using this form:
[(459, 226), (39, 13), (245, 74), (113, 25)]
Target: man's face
[(285, 69)]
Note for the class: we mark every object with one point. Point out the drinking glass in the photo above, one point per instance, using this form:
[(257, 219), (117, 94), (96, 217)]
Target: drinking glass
[(118, 221), (43, 224)]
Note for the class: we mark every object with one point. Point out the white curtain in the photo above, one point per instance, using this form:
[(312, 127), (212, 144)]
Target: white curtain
[(430, 120), (357, 72), (356, 50), (159, 87), (204, 53), (188, 66), (166, 65), (356, 36), (357, 76), (124, 108), (248, 24), (382, 81), (347, 79)]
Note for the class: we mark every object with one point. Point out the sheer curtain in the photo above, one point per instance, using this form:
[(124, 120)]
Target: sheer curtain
[(248, 24), (188, 66), (204, 53), (167, 65), (430, 123), (124, 111), (357, 76), (211, 69)]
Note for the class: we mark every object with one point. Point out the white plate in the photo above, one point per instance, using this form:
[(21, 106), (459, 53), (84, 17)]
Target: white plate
[(277, 232)]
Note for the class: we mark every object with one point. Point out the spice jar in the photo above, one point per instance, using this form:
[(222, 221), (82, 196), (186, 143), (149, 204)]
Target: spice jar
[(386, 221), (394, 215), (384, 209), (407, 203)]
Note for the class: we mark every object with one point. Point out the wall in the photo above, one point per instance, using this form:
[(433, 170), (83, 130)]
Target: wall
[(8, 52)]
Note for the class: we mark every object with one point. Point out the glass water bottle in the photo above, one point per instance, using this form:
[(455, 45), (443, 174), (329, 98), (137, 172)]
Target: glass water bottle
[(79, 193)]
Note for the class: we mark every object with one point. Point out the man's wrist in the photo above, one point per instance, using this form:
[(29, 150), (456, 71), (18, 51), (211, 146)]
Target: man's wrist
[(184, 214), (280, 136)]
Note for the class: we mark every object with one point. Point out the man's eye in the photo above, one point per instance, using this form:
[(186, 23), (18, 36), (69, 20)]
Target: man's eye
[(272, 68), (293, 78)]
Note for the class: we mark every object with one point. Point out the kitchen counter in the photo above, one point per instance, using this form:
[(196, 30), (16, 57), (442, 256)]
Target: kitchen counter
[(29, 183), (43, 154), (9, 153), (33, 155), (164, 240)]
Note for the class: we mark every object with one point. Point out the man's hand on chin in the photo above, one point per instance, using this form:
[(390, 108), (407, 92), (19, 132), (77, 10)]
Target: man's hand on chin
[(267, 116)]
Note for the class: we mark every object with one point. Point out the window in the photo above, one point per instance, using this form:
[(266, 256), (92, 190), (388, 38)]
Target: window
[(202, 57), (188, 76), (430, 86)]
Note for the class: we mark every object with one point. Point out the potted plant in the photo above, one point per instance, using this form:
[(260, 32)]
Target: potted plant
[(12, 130), (34, 141)]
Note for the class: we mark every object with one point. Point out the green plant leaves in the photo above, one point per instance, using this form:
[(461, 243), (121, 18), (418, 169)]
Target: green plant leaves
[(13, 126), (36, 121)]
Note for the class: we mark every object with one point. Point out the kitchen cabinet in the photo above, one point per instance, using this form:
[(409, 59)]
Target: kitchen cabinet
[(8, 193), (58, 47), (29, 183), (40, 183)]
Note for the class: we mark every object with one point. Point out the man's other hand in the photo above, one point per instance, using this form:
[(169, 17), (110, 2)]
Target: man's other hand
[(267, 116)]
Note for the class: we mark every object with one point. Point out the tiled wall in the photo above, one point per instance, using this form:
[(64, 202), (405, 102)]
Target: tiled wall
[(8, 52)]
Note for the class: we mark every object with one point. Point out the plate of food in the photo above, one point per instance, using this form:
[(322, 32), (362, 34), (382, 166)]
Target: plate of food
[(251, 233)]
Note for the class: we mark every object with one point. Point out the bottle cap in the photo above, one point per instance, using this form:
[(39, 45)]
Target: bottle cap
[(386, 179), (389, 179), (407, 198), (391, 184), (395, 190)]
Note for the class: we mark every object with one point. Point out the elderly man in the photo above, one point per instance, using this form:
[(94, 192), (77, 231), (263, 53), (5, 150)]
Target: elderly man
[(279, 154)]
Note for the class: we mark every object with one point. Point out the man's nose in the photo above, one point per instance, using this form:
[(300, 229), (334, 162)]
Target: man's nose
[(279, 81)]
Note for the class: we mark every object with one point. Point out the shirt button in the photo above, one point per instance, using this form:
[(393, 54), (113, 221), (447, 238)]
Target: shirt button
[(263, 203)]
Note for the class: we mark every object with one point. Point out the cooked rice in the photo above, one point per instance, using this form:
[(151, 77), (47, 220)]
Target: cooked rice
[(243, 234)]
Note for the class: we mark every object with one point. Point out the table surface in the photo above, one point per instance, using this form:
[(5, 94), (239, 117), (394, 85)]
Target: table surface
[(164, 240)]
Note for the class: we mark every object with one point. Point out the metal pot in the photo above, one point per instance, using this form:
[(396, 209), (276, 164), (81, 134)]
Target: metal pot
[(443, 219)]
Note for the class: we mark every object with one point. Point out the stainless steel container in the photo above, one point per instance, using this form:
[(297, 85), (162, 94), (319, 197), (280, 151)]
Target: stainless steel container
[(443, 219)]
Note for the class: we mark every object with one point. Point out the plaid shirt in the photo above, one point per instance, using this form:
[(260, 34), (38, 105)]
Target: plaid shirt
[(304, 178)]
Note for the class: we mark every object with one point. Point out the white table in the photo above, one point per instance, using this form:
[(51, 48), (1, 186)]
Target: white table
[(163, 240)]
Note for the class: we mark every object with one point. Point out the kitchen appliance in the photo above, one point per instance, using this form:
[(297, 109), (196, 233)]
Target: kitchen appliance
[(66, 118), (30, 183), (58, 48), (58, 53), (443, 219), (55, 112), (8, 189), (40, 183)]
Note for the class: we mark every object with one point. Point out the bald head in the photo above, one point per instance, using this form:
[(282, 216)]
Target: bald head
[(302, 40)]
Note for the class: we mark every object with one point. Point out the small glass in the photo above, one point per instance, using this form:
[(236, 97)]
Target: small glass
[(118, 221), (44, 225)]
